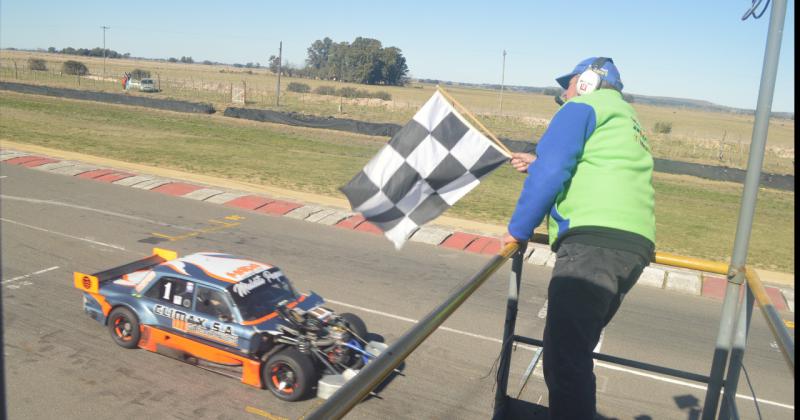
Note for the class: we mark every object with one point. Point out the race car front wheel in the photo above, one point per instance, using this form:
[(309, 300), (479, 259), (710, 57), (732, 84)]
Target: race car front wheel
[(289, 374), (359, 328), (124, 327), (356, 324)]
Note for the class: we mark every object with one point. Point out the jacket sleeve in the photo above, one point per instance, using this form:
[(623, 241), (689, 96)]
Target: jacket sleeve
[(557, 153)]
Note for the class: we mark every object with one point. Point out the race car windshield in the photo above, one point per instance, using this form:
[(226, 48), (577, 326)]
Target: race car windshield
[(259, 294)]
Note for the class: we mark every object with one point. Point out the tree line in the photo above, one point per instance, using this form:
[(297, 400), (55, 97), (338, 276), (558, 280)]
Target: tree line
[(365, 61), (94, 52)]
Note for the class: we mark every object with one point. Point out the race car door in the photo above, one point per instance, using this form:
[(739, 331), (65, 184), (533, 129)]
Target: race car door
[(170, 300), (214, 307)]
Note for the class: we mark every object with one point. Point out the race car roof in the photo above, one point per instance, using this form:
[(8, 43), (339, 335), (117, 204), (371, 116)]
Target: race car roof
[(213, 268)]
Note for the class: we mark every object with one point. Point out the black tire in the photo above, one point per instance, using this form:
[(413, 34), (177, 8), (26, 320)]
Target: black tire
[(124, 327), (289, 374), (356, 324)]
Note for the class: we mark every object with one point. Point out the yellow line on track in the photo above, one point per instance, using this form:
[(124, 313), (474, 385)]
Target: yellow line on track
[(219, 225), (262, 413)]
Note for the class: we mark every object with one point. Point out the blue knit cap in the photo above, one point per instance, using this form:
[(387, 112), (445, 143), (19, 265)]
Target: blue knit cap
[(611, 75)]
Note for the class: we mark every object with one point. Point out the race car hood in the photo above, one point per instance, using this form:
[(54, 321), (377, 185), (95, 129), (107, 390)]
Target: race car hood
[(306, 303)]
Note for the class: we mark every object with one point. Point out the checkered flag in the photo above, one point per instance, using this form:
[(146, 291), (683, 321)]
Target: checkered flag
[(433, 161)]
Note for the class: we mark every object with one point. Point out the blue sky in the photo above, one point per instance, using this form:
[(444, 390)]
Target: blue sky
[(681, 48)]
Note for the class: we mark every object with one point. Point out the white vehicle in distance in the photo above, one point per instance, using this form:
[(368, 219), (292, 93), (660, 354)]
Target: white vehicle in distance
[(147, 85)]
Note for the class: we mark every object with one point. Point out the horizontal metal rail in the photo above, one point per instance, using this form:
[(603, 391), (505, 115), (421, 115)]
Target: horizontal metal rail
[(779, 330), (357, 388), (628, 362), (691, 263)]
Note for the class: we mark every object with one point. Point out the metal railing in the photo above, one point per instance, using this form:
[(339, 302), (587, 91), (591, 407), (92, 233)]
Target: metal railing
[(776, 325), (358, 388), (355, 390), (734, 325), (734, 320)]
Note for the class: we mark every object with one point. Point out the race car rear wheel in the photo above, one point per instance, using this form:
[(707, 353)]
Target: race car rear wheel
[(124, 327), (289, 374)]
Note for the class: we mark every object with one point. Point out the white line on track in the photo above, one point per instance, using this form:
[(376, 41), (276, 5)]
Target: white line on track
[(543, 312), (3, 176), (75, 206), (63, 234), (35, 273), (600, 341), (601, 364), (414, 321), (688, 384)]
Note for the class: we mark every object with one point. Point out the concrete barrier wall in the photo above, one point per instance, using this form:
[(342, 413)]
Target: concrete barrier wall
[(114, 98)]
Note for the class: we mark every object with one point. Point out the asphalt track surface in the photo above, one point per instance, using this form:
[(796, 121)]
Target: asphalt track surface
[(62, 364)]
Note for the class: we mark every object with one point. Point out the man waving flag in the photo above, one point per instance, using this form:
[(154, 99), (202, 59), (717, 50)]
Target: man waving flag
[(433, 161)]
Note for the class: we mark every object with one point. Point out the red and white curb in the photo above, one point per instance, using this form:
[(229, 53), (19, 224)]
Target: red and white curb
[(656, 275)]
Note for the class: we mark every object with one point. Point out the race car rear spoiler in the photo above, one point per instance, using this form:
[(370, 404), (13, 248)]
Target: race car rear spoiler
[(91, 282)]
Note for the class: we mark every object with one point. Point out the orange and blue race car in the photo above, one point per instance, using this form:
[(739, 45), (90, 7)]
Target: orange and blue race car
[(218, 309)]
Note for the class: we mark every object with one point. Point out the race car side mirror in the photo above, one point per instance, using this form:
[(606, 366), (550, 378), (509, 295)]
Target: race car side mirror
[(225, 318)]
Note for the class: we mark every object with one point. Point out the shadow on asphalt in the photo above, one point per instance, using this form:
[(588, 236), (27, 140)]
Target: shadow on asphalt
[(519, 409), (397, 372)]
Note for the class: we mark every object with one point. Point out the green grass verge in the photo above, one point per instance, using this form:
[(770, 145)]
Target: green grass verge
[(702, 136), (696, 218)]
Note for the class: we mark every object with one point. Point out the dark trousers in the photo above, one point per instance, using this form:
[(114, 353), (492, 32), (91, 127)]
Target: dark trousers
[(586, 289)]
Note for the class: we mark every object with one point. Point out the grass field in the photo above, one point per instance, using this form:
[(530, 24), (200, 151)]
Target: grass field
[(696, 218), (714, 138)]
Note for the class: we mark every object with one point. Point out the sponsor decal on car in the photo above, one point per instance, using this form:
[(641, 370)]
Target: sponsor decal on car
[(217, 331), (198, 326), (244, 287)]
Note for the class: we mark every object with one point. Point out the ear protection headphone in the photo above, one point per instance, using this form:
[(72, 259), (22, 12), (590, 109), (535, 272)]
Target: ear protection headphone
[(591, 79)]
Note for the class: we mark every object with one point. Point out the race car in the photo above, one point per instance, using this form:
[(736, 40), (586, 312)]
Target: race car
[(218, 309)]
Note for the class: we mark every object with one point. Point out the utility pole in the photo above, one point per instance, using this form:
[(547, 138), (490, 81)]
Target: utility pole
[(104, 49), (502, 81), (278, 87)]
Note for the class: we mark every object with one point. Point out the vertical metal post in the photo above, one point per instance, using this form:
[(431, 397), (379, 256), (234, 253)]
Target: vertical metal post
[(747, 210), (278, 87), (728, 407), (504, 366), (721, 350)]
